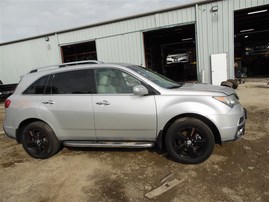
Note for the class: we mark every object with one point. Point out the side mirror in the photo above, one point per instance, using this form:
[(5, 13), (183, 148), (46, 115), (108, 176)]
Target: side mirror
[(140, 90)]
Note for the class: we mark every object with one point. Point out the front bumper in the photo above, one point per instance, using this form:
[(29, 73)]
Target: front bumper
[(231, 125), (241, 129)]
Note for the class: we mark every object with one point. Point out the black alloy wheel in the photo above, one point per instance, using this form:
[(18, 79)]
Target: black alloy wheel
[(189, 141), (39, 140)]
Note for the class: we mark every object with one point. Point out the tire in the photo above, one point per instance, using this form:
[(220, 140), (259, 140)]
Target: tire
[(234, 82), (227, 84), (39, 140), (189, 141)]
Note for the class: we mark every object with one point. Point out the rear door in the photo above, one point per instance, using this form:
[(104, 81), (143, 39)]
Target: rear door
[(67, 105), (119, 114)]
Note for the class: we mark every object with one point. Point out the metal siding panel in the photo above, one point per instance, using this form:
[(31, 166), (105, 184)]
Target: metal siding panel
[(192, 13), (214, 39), (108, 30), (124, 40), (214, 32), (209, 29), (174, 16), (254, 3), (203, 40), (185, 15), (236, 4), (242, 3), (225, 26), (220, 28), (230, 39), (263, 2), (248, 3), (29, 55), (259, 2), (180, 17), (123, 48), (157, 19)]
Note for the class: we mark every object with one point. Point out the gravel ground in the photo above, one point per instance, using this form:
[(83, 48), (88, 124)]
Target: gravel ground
[(237, 171)]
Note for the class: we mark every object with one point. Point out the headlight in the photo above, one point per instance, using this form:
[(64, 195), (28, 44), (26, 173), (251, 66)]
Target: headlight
[(230, 100)]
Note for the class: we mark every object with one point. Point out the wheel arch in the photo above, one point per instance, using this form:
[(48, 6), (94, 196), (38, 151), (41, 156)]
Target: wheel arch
[(209, 123)]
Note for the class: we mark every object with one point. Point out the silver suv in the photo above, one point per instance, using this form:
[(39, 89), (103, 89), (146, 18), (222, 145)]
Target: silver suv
[(120, 105)]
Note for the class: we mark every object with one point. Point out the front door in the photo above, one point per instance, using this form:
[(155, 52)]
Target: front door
[(119, 114)]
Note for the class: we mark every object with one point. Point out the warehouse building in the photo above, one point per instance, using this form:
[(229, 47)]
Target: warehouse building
[(196, 42)]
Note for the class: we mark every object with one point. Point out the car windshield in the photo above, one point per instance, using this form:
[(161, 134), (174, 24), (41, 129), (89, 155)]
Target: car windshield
[(156, 78)]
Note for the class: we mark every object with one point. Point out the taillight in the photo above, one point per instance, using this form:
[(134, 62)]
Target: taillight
[(7, 103)]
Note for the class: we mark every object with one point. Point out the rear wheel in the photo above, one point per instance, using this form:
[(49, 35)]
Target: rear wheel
[(39, 140), (189, 141)]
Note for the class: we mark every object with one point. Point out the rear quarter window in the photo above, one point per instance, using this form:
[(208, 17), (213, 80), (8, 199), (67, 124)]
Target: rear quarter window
[(38, 87)]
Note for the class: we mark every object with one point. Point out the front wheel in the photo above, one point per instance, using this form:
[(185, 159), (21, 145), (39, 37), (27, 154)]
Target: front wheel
[(189, 140), (39, 140)]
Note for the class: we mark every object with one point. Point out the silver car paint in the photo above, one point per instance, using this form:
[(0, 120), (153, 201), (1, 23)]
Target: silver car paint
[(64, 114), (127, 117), (130, 117)]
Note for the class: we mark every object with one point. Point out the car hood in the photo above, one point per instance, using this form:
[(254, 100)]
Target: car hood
[(207, 88)]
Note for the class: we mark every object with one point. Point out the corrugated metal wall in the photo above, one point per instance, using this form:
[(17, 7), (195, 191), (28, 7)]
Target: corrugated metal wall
[(125, 48), (108, 30), (216, 32), (19, 58), (131, 25), (123, 41)]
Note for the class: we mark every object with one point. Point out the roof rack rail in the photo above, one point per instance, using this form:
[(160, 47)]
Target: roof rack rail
[(80, 63), (67, 64)]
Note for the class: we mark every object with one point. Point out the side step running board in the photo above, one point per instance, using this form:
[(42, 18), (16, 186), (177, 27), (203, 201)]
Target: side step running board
[(104, 144)]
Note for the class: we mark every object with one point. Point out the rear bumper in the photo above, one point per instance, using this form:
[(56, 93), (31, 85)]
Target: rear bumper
[(9, 128), (10, 132)]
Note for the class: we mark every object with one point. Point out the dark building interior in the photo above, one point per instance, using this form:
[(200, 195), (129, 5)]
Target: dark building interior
[(172, 52), (251, 30), (79, 52)]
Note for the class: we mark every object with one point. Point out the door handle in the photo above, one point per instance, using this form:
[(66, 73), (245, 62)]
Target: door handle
[(50, 102), (104, 102)]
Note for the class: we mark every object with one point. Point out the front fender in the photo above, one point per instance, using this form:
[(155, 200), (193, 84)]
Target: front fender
[(206, 106)]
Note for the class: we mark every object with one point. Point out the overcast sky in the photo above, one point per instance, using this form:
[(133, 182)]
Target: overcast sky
[(25, 18)]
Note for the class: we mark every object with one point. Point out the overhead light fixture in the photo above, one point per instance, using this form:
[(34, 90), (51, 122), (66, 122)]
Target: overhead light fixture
[(255, 12), (214, 9), (246, 30), (246, 36), (187, 39)]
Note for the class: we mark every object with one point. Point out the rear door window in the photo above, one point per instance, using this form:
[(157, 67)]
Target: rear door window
[(72, 82)]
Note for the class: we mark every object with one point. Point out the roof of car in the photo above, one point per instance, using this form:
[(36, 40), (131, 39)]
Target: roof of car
[(66, 65), (72, 66)]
